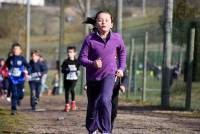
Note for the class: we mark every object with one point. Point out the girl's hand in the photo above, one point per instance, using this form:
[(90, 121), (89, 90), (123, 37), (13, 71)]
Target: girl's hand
[(98, 63), (122, 88), (28, 77), (119, 73), (26, 72)]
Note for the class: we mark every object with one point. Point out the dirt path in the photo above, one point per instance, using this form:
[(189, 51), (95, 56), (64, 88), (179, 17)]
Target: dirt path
[(130, 120)]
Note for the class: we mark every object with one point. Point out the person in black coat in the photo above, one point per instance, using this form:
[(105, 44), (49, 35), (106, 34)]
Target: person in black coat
[(121, 84), (70, 70)]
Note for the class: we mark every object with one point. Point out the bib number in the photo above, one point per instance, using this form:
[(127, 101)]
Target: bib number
[(72, 76), (16, 72), (35, 76)]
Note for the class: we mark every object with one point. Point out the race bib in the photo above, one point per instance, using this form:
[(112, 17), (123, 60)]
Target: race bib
[(16, 72), (72, 76), (35, 76), (72, 68), (56, 84)]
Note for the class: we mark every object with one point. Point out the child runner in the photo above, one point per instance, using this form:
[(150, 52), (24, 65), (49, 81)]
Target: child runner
[(9, 90), (16, 65), (121, 84), (44, 86), (70, 69), (55, 84), (98, 54), (36, 73), (3, 79)]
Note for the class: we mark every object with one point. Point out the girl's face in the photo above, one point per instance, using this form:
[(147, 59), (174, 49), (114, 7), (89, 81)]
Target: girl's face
[(35, 57), (17, 50), (104, 22)]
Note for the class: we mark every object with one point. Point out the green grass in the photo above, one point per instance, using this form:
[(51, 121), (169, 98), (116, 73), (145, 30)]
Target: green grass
[(12, 124), (138, 22), (152, 82), (177, 94)]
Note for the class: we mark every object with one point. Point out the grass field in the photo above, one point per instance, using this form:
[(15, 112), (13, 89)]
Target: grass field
[(12, 124), (177, 94)]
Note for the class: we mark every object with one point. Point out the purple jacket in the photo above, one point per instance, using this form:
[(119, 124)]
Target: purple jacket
[(95, 47)]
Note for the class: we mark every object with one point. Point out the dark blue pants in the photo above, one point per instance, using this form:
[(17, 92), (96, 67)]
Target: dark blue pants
[(35, 87), (17, 91), (99, 107)]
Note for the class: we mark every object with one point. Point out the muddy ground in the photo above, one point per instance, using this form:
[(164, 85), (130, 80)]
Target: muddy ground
[(131, 119)]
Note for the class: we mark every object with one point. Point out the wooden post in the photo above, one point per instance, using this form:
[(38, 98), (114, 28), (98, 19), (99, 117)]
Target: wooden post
[(144, 67), (130, 67), (196, 63), (119, 15), (61, 43), (167, 52), (28, 32), (134, 71), (143, 7), (190, 58)]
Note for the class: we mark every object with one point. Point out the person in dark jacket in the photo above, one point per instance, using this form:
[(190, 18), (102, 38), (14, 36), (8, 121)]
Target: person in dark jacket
[(16, 65), (70, 69), (44, 87), (121, 84), (37, 70)]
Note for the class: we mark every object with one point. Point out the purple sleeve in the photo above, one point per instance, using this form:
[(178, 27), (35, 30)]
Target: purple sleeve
[(83, 56), (122, 54)]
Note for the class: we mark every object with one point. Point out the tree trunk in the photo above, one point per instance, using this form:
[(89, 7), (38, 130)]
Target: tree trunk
[(167, 52)]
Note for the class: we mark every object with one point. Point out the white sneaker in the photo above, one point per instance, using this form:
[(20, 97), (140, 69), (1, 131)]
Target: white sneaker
[(95, 132), (8, 99)]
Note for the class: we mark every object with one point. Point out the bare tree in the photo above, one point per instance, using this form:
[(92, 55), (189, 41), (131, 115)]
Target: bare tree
[(82, 6), (85, 8)]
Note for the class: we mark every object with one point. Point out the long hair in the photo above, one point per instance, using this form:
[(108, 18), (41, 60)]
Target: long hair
[(92, 20)]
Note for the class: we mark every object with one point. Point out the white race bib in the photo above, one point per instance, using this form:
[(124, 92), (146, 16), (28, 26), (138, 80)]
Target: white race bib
[(35, 76), (72, 67), (72, 76), (16, 72)]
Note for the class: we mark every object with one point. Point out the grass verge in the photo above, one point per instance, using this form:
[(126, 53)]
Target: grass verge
[(12, 124)]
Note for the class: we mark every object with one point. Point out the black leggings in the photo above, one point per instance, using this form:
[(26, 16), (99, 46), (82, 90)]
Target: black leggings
[(69, 86), (114, 103)]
